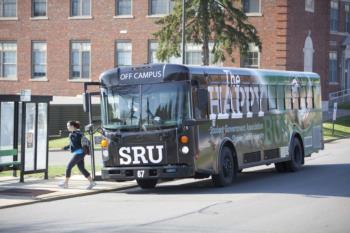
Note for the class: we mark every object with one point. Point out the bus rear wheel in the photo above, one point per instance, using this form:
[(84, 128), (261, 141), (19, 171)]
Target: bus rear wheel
[(296, 154), (147, 183), (227, 170)]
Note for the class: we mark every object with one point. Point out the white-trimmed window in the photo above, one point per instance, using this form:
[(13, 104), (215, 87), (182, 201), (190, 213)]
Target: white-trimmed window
[(80, 60), (252, 58), (152, 57), (160, 7), (123, 53), (347, 18), (310, 5), (8, 8), (80, 8), (332, 68), (334, 16), (39, 58), (123, 8), (39, 8), (252, 6), (8, 59)]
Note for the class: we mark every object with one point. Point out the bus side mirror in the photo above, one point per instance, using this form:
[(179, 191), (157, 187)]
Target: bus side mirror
[(202, 95), (86, 101)]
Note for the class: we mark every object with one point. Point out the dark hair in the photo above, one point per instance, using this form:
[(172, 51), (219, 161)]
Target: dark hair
[(75, 124)]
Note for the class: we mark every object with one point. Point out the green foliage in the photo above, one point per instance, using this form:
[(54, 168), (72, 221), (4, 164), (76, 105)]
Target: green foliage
[(219, 21)]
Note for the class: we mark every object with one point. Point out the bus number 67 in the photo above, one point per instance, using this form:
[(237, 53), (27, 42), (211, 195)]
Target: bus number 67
[(140, 173)]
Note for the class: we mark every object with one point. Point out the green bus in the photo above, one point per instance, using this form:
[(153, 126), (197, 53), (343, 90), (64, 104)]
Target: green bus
[(166, 121)]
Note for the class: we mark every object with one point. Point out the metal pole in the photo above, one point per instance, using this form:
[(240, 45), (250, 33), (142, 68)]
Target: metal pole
[(93, 174), (183, 33)]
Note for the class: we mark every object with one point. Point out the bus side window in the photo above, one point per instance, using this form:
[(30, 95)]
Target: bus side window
[(309, 97), (264, 98), (201, 104), (302, 100), (280, 97), (317, 96), (288, 97), (272, 96), (296, 96)]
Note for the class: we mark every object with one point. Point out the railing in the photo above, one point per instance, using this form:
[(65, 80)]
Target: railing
[(339, 94)]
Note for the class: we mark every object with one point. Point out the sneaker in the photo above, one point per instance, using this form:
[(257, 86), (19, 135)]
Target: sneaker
[(63, 185), (91, 185)]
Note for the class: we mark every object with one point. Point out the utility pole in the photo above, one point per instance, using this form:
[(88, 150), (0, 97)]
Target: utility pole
[(183, 43)]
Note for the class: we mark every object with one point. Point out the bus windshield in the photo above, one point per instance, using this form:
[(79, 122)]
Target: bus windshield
[(144, 107)]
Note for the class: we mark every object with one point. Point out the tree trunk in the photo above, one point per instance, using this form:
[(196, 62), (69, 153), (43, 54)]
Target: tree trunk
[(204, 22)]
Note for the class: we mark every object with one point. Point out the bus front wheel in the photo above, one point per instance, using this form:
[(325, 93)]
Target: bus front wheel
[(226, 169), (147, 183), (296, 153)]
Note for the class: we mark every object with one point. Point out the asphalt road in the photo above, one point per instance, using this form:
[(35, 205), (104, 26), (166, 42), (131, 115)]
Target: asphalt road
[(315, 199)]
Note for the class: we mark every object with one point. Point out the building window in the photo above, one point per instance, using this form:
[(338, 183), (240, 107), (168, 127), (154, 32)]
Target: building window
[(39, 8), (308, 53), (8, 8), (161, 7), (310, 5), (123, 53), (8, 59), (333, 71), (80, 8), (80, 60), (123, 7), (252, 58), (347, 18), (152, 52), (38, 60), (334, 16), (252, 6)]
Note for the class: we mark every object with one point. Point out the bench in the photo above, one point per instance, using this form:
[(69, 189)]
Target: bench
[(14, 165)]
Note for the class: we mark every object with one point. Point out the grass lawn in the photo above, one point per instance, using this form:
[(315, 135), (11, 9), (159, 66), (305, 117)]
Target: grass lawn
[(345, 105), (341, 128)]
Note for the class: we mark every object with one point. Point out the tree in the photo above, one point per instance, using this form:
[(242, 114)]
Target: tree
[(219, 21)]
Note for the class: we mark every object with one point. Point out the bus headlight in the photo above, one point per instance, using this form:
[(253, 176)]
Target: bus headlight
[(185, 150), (105, 155)]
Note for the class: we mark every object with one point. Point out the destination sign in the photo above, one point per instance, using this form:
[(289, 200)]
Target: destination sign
[(140, 76)]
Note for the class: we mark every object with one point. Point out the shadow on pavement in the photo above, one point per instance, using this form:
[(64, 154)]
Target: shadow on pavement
[(312, 180)]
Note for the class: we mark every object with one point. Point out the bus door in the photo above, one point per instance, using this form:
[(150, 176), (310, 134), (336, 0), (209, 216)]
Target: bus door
[(91, 105)]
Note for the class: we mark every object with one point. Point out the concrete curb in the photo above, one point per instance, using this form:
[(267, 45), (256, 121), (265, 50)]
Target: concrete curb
[(55, 198)]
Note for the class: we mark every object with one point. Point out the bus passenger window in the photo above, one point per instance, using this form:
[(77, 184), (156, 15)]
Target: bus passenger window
[(201, 104), (264, 99), (303, 97), (272, 96), (280, 97), (296, 96), (309, 97), (288, 97)]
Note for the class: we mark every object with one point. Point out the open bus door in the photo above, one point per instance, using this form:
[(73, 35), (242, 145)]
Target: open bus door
[(94, 123)]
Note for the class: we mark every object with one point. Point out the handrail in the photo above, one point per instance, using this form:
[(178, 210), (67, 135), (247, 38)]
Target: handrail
[(339, 94)]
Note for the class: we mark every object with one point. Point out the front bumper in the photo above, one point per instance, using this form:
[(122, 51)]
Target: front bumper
[(159, 172)]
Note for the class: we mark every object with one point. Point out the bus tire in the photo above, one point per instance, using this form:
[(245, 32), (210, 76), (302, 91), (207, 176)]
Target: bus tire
[(296, 156), (147, 183), (227, 171), (281, 167)]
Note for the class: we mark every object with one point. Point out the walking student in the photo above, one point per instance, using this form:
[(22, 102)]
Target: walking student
[(76, 149)]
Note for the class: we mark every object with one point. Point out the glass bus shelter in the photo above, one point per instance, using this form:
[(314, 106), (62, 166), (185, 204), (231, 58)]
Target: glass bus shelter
[(24, 134)]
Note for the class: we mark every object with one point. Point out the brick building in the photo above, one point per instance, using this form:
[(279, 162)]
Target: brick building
[(52, 46)]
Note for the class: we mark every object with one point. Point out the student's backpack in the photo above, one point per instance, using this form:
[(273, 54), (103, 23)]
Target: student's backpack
[(85, 143)]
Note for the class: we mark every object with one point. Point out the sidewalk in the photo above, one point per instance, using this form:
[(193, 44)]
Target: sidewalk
[(13, 193)]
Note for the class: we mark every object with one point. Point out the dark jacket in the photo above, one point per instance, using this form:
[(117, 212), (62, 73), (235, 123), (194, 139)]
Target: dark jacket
[(74, 141)]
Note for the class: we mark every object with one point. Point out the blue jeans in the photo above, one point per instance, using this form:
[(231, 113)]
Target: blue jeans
[(78, 159)]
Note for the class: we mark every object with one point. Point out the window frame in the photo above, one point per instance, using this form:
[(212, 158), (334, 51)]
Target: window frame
[(334, 22), (80, 14), (2, 17), (2, 64), (309, 8), (116, 52), (248, 13), (80, 78), (332, 75), (33, 10), (150, 13), (252, 49), (116, 15), (32, 61)]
